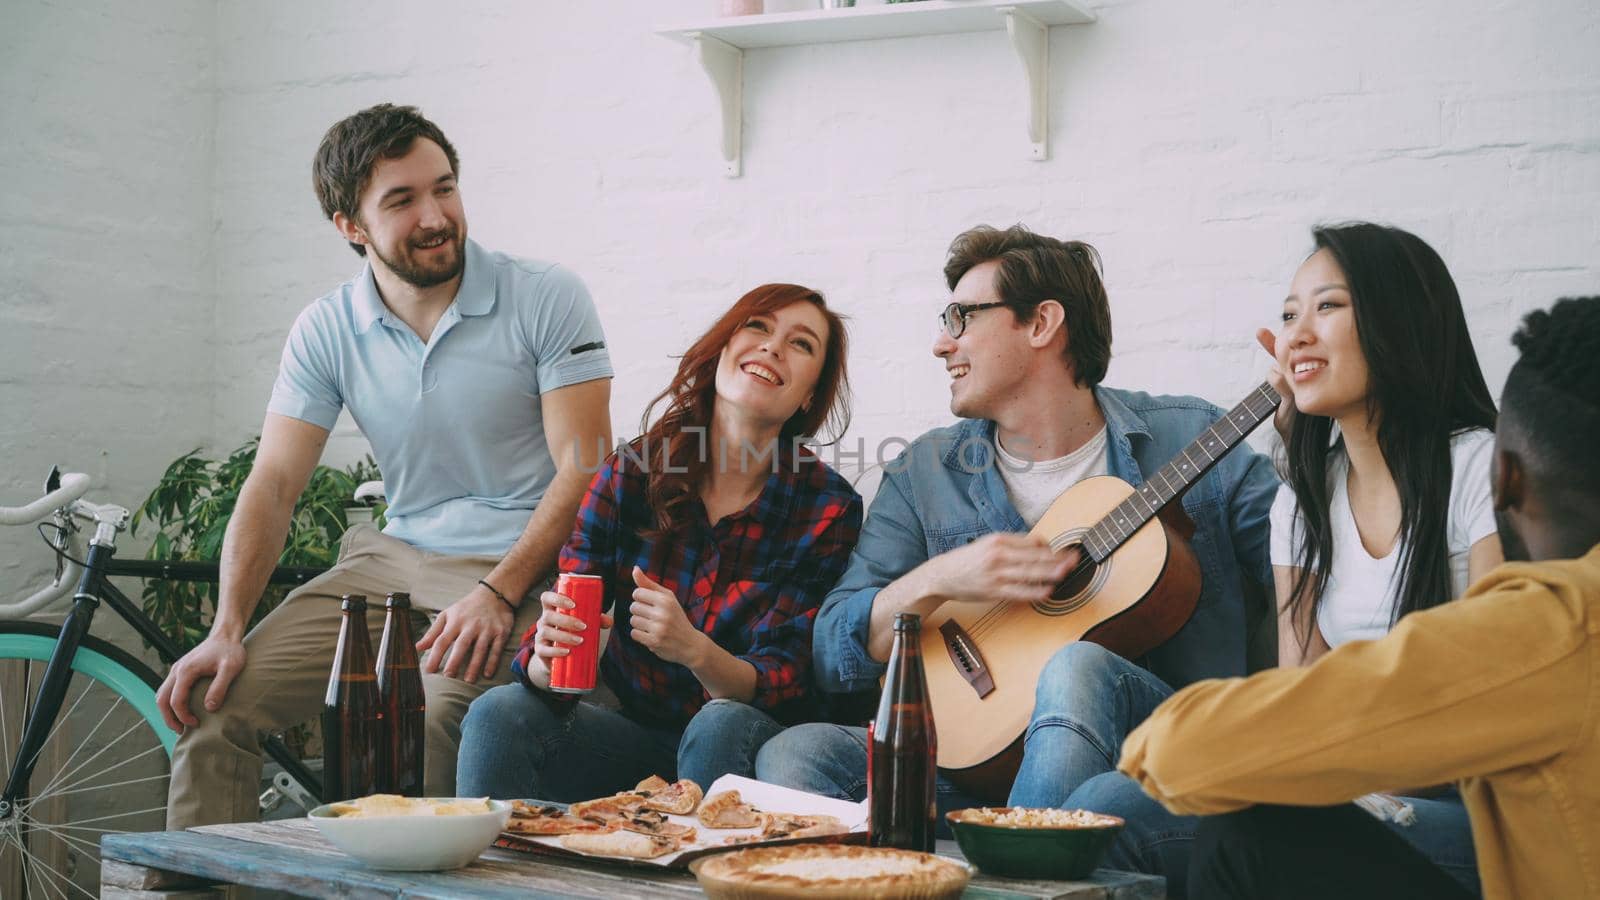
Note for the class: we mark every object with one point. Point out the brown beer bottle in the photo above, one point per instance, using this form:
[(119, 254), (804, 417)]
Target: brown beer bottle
[(901, 749), (350, 711), (400, 693)]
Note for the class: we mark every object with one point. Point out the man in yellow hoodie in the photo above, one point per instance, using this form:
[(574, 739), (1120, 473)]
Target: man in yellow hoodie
[(1498, 692)]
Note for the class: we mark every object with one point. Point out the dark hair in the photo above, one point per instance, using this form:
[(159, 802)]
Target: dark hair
[(352, 147), (693, 391), (1425, 386), (1035, 268), (1552, 398)]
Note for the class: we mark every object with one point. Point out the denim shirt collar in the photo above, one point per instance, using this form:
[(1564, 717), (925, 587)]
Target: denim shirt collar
[(1122, 424), (973, 451)]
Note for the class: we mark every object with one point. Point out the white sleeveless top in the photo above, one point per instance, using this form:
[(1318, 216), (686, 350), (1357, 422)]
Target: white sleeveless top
[(1360, 598)]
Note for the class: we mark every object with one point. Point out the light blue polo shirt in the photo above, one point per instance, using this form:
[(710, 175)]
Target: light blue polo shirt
[(455, 423)]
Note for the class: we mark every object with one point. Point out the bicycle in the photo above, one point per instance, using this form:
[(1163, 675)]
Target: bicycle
[(43, 841)]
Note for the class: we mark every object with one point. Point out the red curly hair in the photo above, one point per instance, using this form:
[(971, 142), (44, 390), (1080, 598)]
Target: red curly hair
[(692, 392)]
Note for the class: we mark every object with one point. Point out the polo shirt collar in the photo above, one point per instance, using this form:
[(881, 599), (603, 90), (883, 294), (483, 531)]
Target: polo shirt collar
[(367, 305), (474, 297)]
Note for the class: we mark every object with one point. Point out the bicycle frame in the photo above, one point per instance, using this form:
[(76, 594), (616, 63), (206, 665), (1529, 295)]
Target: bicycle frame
[(57, 676), (92, 590)]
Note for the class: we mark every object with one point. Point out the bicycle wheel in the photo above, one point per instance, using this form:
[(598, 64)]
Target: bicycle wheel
[(104, 768)]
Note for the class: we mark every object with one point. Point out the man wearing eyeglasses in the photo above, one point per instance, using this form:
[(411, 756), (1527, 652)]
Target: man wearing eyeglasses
[(1026, 340)]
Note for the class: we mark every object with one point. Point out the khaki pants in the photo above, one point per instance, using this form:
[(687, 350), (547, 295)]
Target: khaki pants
[(216, 767)]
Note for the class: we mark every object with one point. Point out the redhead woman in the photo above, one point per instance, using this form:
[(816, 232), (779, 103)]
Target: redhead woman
[(716, 534)]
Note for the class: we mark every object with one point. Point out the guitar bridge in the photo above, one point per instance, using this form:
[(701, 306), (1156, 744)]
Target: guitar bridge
[(968, 660)]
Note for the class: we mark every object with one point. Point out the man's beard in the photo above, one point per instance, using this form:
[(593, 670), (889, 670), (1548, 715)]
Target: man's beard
[(1511, 543), (424, 276)]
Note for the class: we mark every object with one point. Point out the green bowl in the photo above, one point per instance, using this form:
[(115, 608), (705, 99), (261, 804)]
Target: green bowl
[(1054, 854)]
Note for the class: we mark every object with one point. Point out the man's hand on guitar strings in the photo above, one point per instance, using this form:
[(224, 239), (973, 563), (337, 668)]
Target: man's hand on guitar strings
[(1017, 568)]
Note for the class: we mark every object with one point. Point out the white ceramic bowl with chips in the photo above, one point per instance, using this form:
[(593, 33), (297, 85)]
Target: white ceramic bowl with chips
[(414, 843)]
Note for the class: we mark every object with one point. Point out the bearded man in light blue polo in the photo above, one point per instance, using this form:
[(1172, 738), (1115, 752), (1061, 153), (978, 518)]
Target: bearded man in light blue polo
[(478, 379)]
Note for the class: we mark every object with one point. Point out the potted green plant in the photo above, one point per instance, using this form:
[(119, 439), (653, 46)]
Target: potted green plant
[(190, 508)]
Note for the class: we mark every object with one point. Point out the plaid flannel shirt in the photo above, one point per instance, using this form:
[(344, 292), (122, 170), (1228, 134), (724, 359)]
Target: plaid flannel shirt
[(753, 581)]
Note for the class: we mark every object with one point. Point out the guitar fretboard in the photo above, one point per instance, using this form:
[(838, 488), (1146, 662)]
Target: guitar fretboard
[(1182, 471)]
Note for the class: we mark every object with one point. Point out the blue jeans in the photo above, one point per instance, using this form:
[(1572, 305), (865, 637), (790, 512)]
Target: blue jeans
[(831, 760), (1088, 700), (1443, 834), (516, 743), (1086, 703)]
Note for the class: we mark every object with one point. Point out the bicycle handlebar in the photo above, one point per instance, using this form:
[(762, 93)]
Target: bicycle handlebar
[(73, 486)]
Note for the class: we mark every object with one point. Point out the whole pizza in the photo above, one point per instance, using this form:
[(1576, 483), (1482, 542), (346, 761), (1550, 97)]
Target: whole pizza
[(823, 871)]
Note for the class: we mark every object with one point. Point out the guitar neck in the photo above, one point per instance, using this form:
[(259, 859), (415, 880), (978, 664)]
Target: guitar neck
[(1172, 479)]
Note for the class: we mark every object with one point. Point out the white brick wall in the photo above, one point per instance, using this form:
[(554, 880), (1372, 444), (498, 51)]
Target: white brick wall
[(1192, 143), (106, 274), (165, 151)]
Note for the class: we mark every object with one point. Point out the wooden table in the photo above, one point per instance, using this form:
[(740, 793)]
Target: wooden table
[(292, 856)]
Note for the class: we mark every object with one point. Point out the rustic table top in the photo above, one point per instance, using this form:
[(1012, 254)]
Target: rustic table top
[(293, 856)]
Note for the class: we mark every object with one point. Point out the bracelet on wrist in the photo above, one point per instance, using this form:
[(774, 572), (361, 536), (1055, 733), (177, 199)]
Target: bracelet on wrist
[(496, 591)]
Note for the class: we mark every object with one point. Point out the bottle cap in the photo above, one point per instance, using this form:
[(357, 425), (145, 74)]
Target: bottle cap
[(354, 603), (398, 600), (907, 622)]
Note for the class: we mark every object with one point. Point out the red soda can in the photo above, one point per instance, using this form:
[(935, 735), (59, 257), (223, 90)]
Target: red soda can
[(575, 673)]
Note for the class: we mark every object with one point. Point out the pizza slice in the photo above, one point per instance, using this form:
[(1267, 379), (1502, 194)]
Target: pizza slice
[(547, 821), (650, 821), (616, 806), (651, 785), (629, 844), (777, 826), (680, 798), (728, 810)]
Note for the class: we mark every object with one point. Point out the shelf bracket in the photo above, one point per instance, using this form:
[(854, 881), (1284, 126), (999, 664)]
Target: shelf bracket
[(1031, 40), (725, 64)]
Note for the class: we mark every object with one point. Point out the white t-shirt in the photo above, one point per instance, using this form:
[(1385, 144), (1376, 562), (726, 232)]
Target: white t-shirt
[(1033, 486), (1359, 601)]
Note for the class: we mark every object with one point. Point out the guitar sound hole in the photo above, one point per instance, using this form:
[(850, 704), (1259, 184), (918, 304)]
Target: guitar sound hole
[(1079, 579)]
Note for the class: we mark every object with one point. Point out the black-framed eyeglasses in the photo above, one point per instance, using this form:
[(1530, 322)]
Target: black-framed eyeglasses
[(955, 316)]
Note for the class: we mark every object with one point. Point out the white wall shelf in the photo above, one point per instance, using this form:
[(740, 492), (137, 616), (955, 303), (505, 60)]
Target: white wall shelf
[(719, 45)]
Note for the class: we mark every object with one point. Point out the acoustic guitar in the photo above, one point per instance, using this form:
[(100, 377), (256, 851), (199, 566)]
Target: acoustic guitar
[(1134, 586)]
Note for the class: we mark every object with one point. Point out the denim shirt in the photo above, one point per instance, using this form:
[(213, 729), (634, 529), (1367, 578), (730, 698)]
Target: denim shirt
[(944, 491)]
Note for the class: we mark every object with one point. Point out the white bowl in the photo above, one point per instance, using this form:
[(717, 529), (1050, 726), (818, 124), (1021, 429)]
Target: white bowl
[(414, 843)]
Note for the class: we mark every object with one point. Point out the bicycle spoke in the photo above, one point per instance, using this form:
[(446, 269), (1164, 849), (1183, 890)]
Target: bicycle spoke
[(124, 815), (5, 740), (56, 788), (64, 774), (61, 720), (9, 840), (41, 864), (29, 827), (73, 842), (22, 724), (106, 787), (66, 827), (32, 863), (28, 875)]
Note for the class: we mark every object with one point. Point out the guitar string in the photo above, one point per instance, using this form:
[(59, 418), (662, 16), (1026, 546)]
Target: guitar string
[(995, 615)]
